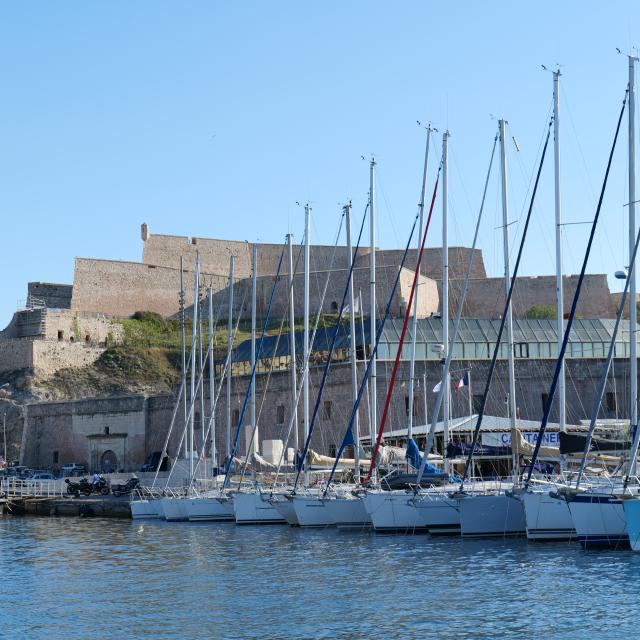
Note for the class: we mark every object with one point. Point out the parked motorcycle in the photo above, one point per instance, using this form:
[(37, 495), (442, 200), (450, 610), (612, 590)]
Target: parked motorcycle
[(86, 488), (126, 488), (102, 487), (74, 488)]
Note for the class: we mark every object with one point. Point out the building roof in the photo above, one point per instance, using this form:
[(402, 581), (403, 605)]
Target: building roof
[(472, 331)]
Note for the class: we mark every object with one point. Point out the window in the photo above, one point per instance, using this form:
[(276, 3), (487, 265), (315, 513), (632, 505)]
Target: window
[(87, 338), (334, 306), (106, 431), (416, 405), (521, 350), (280, 414), (477, 402), (332, 450), (55, 457), (196, 421), (236, 416), (611, 402), (326, 413), (545, 398), (60, 335)]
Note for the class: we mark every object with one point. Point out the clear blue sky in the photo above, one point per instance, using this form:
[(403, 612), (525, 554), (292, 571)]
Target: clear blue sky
[(214, 118)]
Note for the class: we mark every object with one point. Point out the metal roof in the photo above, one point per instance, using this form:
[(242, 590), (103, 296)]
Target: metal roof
[(429, 331), (524, 330)]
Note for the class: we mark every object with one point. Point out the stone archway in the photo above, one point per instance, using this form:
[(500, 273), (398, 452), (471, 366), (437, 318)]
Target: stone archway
[(108, 462)]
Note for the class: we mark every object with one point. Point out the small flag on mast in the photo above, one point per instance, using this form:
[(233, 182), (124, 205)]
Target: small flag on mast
[(463, 382), (437, 388)]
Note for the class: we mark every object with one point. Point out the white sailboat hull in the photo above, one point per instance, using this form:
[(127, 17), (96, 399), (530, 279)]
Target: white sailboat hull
[(348, 512), (252, 507), (174, 509), (393, 511), (547, 518), (145, 509), (491, 515), (284, 506), (312, 511), (210, 509), (439, 513), (599, 520)]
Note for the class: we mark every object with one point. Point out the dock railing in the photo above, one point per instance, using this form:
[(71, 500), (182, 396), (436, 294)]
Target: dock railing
[(17, 488)]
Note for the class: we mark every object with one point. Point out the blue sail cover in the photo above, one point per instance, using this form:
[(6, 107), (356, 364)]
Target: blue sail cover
[(415, 459)]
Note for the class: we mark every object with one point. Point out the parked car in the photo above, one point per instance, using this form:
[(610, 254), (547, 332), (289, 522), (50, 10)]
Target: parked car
[(73, 469), (42, 475)]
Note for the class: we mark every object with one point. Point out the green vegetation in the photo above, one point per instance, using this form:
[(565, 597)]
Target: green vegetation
[(139, 365), (149, 330), (149, 357), (541, 312)]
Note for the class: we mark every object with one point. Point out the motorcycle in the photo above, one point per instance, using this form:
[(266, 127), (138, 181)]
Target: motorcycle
[(102, 487), (126, 488), (86, 488), (74, 488)]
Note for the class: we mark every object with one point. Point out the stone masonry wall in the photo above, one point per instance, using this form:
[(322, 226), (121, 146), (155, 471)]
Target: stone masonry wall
[(55, 296), (485, 298), (64, 426)]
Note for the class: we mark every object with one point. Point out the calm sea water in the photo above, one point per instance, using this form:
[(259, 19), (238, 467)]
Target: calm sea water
[(102, 579)]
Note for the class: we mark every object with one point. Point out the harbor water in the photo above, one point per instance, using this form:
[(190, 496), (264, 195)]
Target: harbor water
[(92, 578)]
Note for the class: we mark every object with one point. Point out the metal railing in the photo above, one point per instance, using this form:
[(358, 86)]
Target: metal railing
[(17, 488)]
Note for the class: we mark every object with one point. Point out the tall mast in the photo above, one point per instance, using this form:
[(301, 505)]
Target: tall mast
[(373, 383), (212, 383), (352, 337), (292, 347), (194, 349), (229, 348), (184, 350), (414, 322), (444, 307), (559, 284), (305, 379), (633, 338), (254, 289), (507, 275), (201, 365)]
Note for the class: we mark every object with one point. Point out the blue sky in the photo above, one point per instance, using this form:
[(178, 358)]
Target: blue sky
[(214, 118)]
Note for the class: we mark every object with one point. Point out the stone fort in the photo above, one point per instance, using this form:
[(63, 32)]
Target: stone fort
[(118, 288)]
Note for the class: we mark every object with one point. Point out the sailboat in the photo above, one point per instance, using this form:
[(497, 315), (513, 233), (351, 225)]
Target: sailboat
[(212, 505), (547, 518), (310, 507), (438, 512), (598, 513), (389, 510), (494, 511)]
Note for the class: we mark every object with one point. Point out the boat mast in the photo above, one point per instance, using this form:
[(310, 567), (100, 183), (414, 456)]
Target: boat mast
[(373, 386), (414, 322), (229, 348), (633, 355), (507, 278), (194, 337), (305, 379), (254, 288), (292, 347), (562, 411), (184, 349), (212, 383), (444, 305), (352, 337)]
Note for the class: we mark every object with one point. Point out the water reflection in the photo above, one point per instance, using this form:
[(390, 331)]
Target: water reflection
[(75, 578)]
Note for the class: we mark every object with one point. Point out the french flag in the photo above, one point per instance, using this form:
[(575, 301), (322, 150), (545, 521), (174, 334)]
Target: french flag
[(463, 382)]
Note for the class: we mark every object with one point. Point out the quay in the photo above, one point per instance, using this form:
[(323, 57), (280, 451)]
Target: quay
[(84, 507)]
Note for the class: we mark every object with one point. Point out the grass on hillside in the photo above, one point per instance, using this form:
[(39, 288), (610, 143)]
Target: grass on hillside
[(149, 330)]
